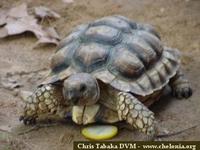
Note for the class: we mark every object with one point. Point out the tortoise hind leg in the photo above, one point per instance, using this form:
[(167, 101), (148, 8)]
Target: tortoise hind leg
[(180, 86), (135, 113)]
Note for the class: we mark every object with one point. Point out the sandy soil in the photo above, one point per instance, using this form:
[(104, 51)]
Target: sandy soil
[(179, 25)]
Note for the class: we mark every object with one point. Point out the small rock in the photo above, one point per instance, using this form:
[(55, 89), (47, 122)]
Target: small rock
[(166, 131), (162, 10), (68, 1)]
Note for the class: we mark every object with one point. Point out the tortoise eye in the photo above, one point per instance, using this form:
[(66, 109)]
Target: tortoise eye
[(82, 87)]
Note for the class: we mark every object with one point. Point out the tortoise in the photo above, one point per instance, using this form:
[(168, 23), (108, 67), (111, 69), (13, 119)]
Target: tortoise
[(109, 70)]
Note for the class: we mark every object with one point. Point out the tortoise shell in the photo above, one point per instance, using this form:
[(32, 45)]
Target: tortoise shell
[(127, 55)]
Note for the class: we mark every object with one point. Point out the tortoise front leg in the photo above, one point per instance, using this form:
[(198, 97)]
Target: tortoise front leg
[(180, 86), (45, 99), (135, 113)]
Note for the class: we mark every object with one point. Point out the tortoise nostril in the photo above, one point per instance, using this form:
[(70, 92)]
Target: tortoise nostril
[(82, 87)]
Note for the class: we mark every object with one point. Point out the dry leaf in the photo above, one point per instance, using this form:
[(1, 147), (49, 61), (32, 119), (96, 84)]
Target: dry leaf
[(3, 16), (68, 1), (19, 11), (50, 36), (30, 24), (52, 32), (21, 25), (3, 32), (43, 12), (17, 21)]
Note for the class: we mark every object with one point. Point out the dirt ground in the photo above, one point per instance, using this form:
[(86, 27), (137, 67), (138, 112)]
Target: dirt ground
[(178, 22)]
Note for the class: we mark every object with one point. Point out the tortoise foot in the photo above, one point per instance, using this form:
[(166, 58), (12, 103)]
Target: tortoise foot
[(181, 87), (182, 91)]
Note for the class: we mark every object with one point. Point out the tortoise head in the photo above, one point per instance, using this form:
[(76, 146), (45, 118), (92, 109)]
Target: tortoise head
[(81, 89)]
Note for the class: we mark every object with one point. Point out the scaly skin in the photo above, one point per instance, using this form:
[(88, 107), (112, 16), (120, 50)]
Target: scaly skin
[(46, 99), (135, 113)]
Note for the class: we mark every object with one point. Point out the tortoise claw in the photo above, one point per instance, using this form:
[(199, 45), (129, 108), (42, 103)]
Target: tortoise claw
[(28, 120)]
